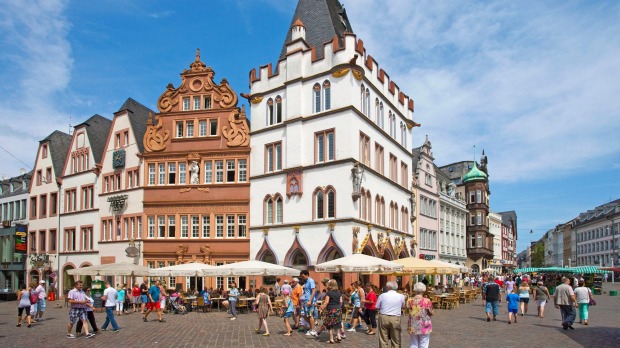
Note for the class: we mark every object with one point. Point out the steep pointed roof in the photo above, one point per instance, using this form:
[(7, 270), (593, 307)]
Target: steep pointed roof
[(58, 147), (138, 116), (322, 19), (474, 174), (97, 127)]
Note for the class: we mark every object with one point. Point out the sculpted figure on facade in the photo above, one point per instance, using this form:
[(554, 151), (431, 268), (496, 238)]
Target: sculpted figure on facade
[(207, 254), (357, 172), (181, 251), (356, 231), (194, 169), (238, 132), (154, 140)]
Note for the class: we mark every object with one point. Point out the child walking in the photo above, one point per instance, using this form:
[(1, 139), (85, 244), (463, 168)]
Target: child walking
[(513, 305), (288, 312)]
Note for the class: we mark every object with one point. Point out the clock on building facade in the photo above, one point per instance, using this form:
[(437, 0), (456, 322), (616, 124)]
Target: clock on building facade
[(118, 159)]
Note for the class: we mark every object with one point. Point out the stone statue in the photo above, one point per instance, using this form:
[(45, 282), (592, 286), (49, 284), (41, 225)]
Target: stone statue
[(483, 162), (356, 231), (451, 187), (443, 187), (194, 168), (357, 172)]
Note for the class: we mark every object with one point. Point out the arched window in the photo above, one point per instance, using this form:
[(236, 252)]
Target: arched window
[(331, 203), (363, 204), (394, 125), (279, 208), (268, 209), (369, 206), (381, 116), (316, 96), (299, 261), (278, 116), (378, 210), (327, 101), (396, 216), (403, 134), (368, 102), (269, 112), (377, 111), (363, 99), (269, 257), (320, 205), (391, 120)]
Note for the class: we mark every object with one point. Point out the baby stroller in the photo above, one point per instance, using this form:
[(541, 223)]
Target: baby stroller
[(176, 306)]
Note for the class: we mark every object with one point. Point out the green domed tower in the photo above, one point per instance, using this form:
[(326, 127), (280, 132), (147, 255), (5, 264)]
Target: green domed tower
[(479, 239)]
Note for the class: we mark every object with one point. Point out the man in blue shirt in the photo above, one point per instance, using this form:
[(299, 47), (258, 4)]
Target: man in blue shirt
[(153, 303), (307, 301), (490, 297)]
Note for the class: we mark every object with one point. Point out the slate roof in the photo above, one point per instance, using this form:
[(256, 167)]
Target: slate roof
[(58, 147), (138, 116), (322, 19), (17, 185), (507, 216), (97, 128), (456, 171)]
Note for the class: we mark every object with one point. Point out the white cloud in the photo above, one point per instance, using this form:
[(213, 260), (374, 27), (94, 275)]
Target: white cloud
[(36, 65), (531, 83)]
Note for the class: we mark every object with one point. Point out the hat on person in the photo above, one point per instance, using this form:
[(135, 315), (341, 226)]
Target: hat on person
[(42, 282), (285, 281), (296, 280), (285, 292)]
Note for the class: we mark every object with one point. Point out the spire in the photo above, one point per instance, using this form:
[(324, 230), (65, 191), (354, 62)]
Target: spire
[(298, 30), (322, 19)]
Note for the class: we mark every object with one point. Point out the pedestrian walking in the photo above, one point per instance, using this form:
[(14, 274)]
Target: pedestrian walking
[(419, 325), (287, 286), (307, 301), (78, 302), (289, 309), (110, 296), (390, 305), (490, 297), (356, 301), (233, 295), (513, 305), (24, 304), (541, 295), (524, 296), (135, 297), (584, 296), (144, 292), (34, 296), (332, 306), (89, 314), (263, 303), (154, 294), (120, 300), (370, 309), (296, 298), (564, 299), (277, 291)]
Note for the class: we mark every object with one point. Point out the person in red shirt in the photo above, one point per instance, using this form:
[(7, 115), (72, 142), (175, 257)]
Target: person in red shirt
[(135, 297), (370, 309), (501, 287)]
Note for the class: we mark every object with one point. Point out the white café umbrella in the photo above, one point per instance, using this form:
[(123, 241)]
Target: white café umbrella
[(193, 269), (112, 269), (489, 270), (358, 263), (250, 268), (460, 268)]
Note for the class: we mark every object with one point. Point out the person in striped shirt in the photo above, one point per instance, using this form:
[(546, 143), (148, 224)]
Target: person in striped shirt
[(78, 301)]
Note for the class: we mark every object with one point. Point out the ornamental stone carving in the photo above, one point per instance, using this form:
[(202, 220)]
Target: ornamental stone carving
[(237, 132), (154, 140), (356, 232)]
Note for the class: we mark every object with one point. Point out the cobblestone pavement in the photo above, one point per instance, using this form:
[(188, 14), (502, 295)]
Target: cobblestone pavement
[(462, 327)]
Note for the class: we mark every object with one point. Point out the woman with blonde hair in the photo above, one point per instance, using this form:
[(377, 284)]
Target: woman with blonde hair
[(420, 310), (263, 305), (23, 304), (333, 307), (524, 296)]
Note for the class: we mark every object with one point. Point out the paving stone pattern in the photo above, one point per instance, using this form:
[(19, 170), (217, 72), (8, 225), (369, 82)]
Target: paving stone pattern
[(462, 327)]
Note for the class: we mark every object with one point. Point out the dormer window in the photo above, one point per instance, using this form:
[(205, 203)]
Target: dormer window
[(208, 102), (44, 151), (186, 104)]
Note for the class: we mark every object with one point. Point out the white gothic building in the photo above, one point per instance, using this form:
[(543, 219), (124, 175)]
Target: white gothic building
[(331, 148)]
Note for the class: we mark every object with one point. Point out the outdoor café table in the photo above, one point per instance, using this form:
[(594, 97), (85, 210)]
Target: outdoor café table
[(250, 302), (189, 300), (218, 300)]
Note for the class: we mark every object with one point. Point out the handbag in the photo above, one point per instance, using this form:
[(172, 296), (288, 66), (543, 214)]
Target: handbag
[(592, 302), (33, 298)]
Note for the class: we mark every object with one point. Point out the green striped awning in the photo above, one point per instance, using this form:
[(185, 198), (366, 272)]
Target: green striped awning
[(526, 270), (589, 270)]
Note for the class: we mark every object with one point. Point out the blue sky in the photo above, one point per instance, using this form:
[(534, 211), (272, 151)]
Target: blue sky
[(533, 83)]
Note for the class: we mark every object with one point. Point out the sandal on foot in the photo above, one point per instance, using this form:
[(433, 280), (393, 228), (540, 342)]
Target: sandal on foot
[(287, 334), (266, 334)]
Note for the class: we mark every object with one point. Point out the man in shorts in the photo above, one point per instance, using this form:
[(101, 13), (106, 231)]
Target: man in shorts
[(307, 301), (78, 301), (295, 297), (41, 302), (153, 302), (144, 291)]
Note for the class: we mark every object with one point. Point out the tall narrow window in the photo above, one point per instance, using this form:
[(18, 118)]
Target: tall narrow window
[(161, 226), (243, 169), (316, 97), (327, 94), (161, 173), (278, 115), (208, 172), (273, 157), (179, 129), (182, 173), (320, 205), (363, 99), (381, 116), (190, 129), (269, 210), (219, 172), (171, 226), (208, 102), (219, 226), (279, 210), (202, 128), (270, 118), (230, 171), (197, 103), (379, 158), (184, 226), (186, 104), (324, 146), (241, 223), (364, 147), (172, 176), (206, 226), (195, 227), (331, 204), (213, 127), (367, 98), (150, 225), (230, 226)]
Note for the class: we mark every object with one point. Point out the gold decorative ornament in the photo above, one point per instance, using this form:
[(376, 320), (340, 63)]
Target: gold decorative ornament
[(331, 225), (238, 134), (256, 100), (154, 140), (361, 248), (340, 72), (265, 232), (296, 228), (357, 74)]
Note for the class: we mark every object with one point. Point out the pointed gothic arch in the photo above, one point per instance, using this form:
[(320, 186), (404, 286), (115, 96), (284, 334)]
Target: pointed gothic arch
[(266, 253), (370, 248), (330, 250), (296, 254)]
